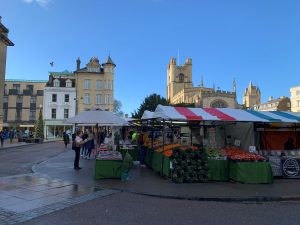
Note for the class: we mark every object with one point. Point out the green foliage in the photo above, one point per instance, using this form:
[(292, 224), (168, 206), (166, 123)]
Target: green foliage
[(117, 108), (150, 103), (189, 166), (39, 126)]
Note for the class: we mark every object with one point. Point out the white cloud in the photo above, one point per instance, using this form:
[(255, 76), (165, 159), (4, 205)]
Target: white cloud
[(43, 3)]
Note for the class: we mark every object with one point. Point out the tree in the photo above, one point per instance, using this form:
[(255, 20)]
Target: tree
[(39, 126), (150, 103), (117, 108)]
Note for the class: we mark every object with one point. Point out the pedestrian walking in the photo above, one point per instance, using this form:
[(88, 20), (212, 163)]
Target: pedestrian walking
[(143, 142), (1, 138), (11, 135), (78, 143), (66, 139), (90, 144)]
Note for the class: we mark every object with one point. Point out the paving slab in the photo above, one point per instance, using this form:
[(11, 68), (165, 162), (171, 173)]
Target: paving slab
[(145, 181)]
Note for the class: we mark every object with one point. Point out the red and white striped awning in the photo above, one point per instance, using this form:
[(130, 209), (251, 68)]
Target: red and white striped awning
[(223, 114)]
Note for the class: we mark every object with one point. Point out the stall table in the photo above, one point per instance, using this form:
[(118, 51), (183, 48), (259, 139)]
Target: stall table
[(108, 165), (250, 172), (134, 151), (218, 170)]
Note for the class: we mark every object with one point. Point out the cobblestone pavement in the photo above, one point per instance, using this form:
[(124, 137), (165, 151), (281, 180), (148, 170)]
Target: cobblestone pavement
[(28, 196)]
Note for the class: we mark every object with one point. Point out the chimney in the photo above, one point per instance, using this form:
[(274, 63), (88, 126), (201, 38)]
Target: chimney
[(78, 63)]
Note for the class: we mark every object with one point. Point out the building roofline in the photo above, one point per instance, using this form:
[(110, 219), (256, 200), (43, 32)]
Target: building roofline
[(26, 81)]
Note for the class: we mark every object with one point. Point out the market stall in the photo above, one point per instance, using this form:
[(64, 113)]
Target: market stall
[(219, 127), (108, 164)]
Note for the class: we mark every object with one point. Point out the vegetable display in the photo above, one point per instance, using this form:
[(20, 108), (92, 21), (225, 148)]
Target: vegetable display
[(236, 154)]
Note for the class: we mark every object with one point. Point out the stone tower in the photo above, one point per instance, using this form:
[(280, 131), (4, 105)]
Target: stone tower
[(179, 77), (251, 96)]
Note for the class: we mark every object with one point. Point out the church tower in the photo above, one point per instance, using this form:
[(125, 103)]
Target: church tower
[(179, 77), (251, 96)]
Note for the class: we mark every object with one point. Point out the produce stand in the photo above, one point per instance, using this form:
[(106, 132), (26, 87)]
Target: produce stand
[(218, 170), (133, 151), (250, 172), (108, 165), (157, 161), (149, 157)]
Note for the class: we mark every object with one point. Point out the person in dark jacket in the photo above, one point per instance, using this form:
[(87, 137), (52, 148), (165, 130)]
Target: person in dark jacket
[(66, 139), (1, 138)]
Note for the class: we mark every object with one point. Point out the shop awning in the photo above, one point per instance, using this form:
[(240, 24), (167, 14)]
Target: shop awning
[(223, 114), (147, 115), (102, 118)]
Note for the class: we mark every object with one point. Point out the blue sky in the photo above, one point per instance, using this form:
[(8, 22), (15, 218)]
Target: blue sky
[(247, 40)]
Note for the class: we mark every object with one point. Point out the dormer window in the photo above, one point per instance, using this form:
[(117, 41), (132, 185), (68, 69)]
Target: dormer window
[(68, 83), (56, 83)]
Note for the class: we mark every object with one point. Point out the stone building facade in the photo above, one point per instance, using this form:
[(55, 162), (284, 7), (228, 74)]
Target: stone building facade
[(295, 99), (180, 89), (59, 104), (22, 102), (280, 104), (251, 96), (4, 42), (95, 85)]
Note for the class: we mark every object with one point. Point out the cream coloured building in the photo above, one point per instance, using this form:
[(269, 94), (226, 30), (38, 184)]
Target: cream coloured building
[(95, 85), (21, 103), (251, 96), (180, 89), (295, 99), (4, 42)]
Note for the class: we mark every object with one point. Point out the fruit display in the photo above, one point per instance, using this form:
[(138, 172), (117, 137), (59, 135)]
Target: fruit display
[(167, 147), (236, 154), (189, 166), (214, 153)]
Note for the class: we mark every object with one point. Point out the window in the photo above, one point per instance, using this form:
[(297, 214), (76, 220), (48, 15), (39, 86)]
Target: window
[(298, 93), (19, 99), (98, 99), (108, 85), (87, 84), (66, 113), (18, 115), (53, 113), (29, 87), (298, 102), (181, 78), (68, 83), (16, 87), (99, 84), (5, 114), (66, 98), (33, 100), (32, 115), (218, 104), (87, 98), (54, 97), (56, 83)]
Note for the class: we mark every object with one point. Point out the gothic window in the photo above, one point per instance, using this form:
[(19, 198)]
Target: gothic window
[(218, 104), (181, 78)]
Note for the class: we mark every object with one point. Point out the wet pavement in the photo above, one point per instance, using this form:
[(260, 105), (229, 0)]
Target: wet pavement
[(146, 182), (28, 196)]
